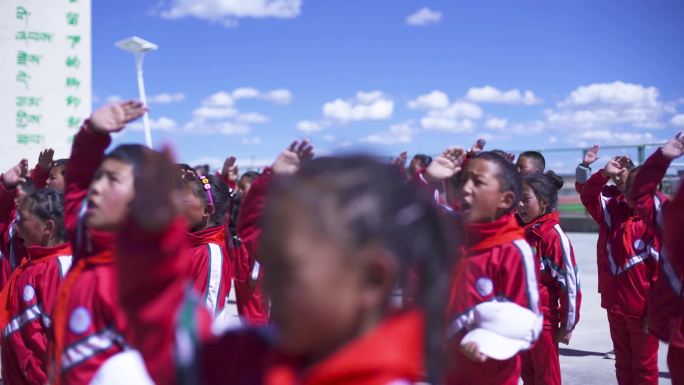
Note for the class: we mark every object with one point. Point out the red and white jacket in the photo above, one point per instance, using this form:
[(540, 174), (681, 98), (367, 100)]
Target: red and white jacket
[(88, 322), (628, 263), (559, 286), (251, 299), (12, 250), (27, 304), (209, 267), (497, 265), (665, 303)]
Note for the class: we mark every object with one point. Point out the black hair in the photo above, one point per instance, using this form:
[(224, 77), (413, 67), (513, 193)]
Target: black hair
[(60, 163), (359, 202), (630, 178), (28, 186), (508, 175), (537, 159), (220, 195), (545, 187), (425, 160), (185, 167), (132, 154), (204, 167), (251, 175), (48, 204)]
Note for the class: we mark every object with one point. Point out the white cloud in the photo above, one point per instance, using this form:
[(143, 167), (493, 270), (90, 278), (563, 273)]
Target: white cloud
[(489, 94), (279, 96), (219, 99), (397, 133), (160, 124), (166, 98), (113, 99), (309, 126), (227, 12), (677, 120), (424, 16), (553, 139), (252, 117), (496, 123), (245, 93), (434, 100), (223, 127), (614, 137), (365, 106), (328, 138), (204, 112), (605, 105), (446, 124), (252, 141)]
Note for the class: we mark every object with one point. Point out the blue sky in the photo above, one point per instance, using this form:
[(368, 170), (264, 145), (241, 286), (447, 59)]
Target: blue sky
[(245, 77)]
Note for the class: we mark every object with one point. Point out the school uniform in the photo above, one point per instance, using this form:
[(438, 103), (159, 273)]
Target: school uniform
[(209, 267), (497, 266), (25, 313), (628, 271), (664, 218), (88, 322), (559, 293)]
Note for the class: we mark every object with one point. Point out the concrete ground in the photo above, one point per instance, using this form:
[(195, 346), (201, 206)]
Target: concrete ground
[(582, 361)]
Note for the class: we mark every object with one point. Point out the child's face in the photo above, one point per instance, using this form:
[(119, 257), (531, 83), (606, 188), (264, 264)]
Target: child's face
[(480, 196), (316, 293), (194, 209), (56, 179), (244, 185), (627, 188), (29, 227), (530, 207), (109, 195), (621, 179)]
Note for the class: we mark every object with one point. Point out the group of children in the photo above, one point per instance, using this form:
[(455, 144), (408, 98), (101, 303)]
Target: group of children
[(116, 267)]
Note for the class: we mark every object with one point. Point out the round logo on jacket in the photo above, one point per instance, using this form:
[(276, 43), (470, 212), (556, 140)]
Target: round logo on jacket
[(79, 321), (484, 286), (639, 245), (29, 293)]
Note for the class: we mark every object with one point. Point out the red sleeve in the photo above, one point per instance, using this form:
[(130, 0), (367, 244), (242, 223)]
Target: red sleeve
[(433, 189), (86, 155), (6, 203), (673, 219), (645, 190), (40, 176), (556, 247), (251, 212), (157, 300), (592, 198)]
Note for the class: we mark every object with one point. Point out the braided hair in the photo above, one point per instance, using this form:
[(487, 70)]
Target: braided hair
[(48, 204), (357, 202)]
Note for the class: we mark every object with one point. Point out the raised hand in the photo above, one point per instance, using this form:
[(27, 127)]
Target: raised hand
[(400, 161), (615, 166), (290, 160), (157, 192), (477, 147), (45, 158), (674, 148), (15, 175), (230, 169), (472, 351), (446, 165), (114, 117), (591, 155)]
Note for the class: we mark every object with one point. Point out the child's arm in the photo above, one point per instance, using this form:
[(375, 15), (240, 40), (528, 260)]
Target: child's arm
[(645, 186), (557, 249), (591, 193), (164, 314), (583, 171), (41, 172), (8, 189)]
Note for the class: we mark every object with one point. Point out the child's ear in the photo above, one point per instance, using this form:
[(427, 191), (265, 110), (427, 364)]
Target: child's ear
[(209, 210), (379, 276), (49, 227), (507, 200)]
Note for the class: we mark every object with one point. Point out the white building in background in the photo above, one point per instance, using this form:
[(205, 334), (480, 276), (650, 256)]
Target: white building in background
[(45, 76)]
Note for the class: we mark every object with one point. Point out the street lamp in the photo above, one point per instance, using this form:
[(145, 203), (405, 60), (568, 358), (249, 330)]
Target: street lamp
[(139, 47)]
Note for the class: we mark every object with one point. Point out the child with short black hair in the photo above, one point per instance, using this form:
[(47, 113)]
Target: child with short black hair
[(530, 162), (497, 273)]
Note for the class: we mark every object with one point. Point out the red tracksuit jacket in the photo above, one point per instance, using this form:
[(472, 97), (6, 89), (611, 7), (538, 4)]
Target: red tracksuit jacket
[(252, 301), (33, 289), (665, 301), (210, 267), (628, 263), (171, 330), (12, 250), (498, 265), (88, 320), (559, 287)]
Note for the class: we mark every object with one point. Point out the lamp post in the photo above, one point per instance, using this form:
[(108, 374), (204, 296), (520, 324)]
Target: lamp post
[(139, 47)]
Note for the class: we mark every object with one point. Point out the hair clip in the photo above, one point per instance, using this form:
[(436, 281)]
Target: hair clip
[(207, 188)]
